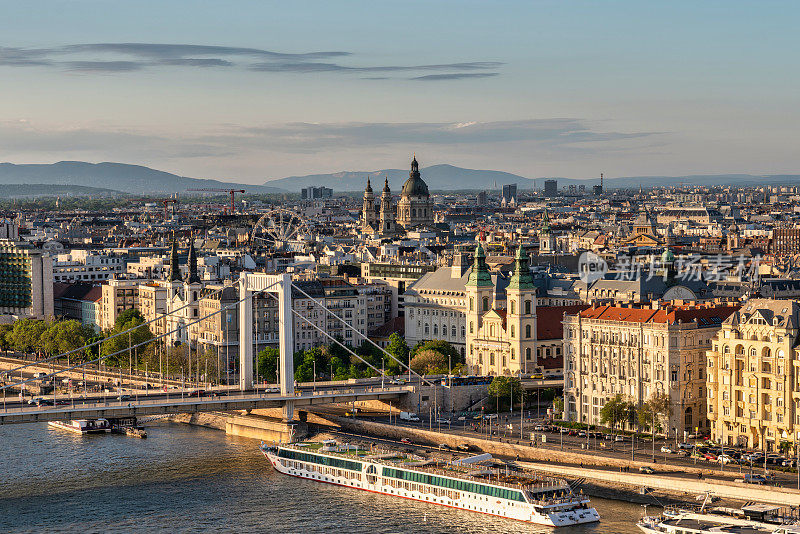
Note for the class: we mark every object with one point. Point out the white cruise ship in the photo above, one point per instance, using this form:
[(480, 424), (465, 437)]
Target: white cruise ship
[(464, 485)]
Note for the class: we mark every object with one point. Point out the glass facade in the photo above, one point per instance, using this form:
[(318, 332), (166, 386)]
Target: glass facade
[(455, 484), (15, 278), (339, 463)]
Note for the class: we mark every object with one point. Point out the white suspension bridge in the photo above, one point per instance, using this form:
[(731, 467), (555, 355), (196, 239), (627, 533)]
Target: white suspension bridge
[(246, 396)]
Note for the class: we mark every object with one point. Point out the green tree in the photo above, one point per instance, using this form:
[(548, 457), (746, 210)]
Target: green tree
[(652, 413), (26, 335), (399, 349), (442, 347), (5, 337), (429, 362), (617, 410), (558, 405), (503, 390), (65, 336), (117, 347), (267, 364)]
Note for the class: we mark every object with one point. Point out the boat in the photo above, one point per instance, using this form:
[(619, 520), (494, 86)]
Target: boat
[(466, 484), (83, 426), (753, 518)]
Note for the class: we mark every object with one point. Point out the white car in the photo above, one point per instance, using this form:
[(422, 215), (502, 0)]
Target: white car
[(666, 450), (443, 421)]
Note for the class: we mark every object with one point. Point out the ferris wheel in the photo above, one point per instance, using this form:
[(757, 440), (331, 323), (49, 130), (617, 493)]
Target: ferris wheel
[(280, 229)]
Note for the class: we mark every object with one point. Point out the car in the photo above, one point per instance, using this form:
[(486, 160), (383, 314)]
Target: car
[(406, 441), (538, 428), (572, 432), (646, 470), (537, 376), (608, 436), (752, 478), (219, 393), (666, 450), (443, 421), (197, 393), (462, 418), (710, 457), (444, 446), (582, 434), (123, 397), (724, 459), (463, 447), (62, 402), (685, 446), (619, 439)]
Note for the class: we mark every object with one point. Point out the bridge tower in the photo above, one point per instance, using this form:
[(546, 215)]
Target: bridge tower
[(250, 283)]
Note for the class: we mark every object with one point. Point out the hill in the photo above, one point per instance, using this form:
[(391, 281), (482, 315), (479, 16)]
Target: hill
[(438, 177), (451, 178), (122, 177), (51, 190)]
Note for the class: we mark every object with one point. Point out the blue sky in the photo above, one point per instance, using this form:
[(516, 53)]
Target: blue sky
[(251, 91)]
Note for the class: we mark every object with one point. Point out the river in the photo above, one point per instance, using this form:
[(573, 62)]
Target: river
[(189, 479)]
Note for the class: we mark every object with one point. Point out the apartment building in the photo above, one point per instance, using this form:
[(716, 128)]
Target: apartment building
[(118, 296), (26, 280), (86, 266), (754, 376), (638, 353)]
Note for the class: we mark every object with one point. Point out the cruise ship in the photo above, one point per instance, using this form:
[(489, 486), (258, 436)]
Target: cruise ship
[(463, 484), (749, 519)]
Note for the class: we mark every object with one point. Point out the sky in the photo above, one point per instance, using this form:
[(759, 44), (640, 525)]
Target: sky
[(251, 91)]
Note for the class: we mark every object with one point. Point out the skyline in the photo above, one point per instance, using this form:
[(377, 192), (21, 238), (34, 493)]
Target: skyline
[(265, 90)]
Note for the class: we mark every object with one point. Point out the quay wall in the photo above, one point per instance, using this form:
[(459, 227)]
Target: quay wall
[(577, 465)]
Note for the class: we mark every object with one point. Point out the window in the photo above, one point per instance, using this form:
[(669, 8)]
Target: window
[(485, 304), (528, 353), (527, 307), (527, 330), (512, 330), (513, 307)]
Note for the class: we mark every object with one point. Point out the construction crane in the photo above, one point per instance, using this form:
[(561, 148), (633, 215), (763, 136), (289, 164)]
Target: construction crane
[(231, 192)]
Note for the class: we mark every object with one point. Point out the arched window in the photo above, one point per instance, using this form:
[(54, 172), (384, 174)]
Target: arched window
[(453, 331), (435, 329), (471, 327), (527, 307), (427, 329), (527, 330), (463, 331), (512, 330), (513, 303), (471, 304), (414, 212), (513, 355), (491, 358), (726, 349), (491, 330), (528, 353), (485, 304)]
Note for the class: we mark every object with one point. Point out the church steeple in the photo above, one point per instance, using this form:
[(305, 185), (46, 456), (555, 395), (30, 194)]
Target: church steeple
[(386, 185), (193, 277), (522, 278), (480, 277), (174, 268)]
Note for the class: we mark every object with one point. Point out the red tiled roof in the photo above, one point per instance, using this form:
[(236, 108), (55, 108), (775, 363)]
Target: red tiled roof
[(549, 320), (398, 324), (705, 316)]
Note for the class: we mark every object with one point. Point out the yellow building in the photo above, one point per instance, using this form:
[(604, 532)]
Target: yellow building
[(754, 376)]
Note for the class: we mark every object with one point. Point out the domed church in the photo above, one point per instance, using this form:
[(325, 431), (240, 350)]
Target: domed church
[(413, 210), (415, 207)]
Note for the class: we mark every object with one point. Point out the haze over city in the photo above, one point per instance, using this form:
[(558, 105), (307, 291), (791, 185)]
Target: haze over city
[(567, 89)]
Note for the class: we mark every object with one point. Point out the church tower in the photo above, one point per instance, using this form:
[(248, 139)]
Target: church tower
[(480, 293), (368, 215), (415, 207), (547, 241), (388, 224), (521, 315)]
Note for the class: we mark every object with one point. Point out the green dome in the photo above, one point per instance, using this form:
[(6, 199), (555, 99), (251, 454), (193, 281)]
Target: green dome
[(667, 256)]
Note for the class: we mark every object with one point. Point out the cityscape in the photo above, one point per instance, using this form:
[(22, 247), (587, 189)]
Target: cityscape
[(555, 306)]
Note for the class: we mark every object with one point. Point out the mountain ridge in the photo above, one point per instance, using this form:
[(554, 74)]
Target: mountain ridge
[(123, 177)]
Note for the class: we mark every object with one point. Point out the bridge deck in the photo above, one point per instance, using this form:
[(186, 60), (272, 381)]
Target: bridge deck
[(143, 406)]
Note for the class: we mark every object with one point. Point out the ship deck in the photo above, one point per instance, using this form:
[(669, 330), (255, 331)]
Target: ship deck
[(707, 526)]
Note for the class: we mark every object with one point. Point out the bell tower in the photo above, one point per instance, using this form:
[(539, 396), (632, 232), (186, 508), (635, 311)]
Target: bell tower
[(387, 210), (368, 215), (521, 315)]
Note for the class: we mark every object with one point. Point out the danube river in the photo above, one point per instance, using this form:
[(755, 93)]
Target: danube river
[(189, 479)]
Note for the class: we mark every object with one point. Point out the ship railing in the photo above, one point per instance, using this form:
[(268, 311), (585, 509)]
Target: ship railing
[(550, 483)]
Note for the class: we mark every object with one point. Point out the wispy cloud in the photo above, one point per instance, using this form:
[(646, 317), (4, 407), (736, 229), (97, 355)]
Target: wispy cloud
[(129, 57)]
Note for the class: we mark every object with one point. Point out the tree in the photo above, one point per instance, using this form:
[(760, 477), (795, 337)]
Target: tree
[(615, 411), (399, 349), (116, 348), (267, 363), (652, 413), (503, 389), (442, 347), (558, 405), (429, 362), (5, 337), (26, 335), (65, 336)]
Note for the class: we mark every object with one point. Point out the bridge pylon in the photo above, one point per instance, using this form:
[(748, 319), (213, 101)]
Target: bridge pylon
[(281, 285)]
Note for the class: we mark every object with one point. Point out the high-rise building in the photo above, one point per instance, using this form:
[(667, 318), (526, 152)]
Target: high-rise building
[(314, 193), (550, 188), (26, 280), (509, 197)]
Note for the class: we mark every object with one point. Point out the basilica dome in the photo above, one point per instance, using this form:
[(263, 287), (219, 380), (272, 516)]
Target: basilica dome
[(415, 186)]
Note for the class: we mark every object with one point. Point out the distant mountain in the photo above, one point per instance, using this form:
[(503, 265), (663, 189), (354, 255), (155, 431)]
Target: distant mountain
[(451, 178), (438, 177), (51, 190), (118, 176)]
